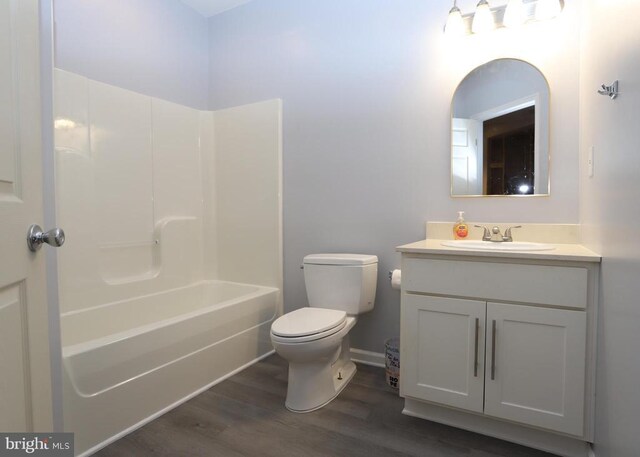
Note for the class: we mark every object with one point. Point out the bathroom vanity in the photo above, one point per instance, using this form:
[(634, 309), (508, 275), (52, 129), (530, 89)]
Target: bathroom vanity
[(501, 342)]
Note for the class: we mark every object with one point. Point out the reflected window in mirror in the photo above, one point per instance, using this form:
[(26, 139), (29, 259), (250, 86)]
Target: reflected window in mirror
[(500, 131)]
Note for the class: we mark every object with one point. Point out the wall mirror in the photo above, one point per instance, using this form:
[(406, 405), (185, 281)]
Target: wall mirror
[(500, 131)]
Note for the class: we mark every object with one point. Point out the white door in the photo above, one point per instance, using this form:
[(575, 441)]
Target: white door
[(536, 366), (466, 157), (25, 381), (442, 348)]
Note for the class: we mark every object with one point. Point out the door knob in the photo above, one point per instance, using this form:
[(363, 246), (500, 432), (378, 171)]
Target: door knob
[(35, 237)]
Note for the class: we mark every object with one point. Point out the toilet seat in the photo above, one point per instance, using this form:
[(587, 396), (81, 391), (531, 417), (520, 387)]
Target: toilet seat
[(308, 324)]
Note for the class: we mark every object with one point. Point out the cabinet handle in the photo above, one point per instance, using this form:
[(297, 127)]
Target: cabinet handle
[(475, 360), (493, 350)]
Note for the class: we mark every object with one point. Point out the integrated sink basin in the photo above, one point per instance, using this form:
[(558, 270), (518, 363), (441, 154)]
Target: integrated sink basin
[(492, 246)]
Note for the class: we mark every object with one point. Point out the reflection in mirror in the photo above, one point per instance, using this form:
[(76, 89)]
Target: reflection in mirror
[(500, 131)]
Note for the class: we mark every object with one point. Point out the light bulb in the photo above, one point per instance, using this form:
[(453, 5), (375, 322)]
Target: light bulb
[(548, 9), (455, 23), (483, 18), (514, 14)]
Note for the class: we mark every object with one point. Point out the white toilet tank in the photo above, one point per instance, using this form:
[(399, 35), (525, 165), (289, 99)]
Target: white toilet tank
[(345, 282)]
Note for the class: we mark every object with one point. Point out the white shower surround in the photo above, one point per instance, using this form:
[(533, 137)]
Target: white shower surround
[(173, 218)]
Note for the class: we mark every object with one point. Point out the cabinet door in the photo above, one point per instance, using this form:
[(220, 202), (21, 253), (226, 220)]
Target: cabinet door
[(442, 358), (536, 366)]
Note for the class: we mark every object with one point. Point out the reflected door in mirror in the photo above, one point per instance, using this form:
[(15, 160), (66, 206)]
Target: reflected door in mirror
[(509, 153)]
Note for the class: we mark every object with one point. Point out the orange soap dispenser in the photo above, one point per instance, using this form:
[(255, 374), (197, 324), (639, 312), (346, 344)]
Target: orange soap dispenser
[(460, 228)]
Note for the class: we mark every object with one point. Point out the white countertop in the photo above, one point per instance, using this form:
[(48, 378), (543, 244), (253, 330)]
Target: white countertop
[(567, 252)]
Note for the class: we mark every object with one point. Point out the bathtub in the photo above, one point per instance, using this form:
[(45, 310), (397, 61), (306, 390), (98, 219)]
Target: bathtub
[(126, 363)]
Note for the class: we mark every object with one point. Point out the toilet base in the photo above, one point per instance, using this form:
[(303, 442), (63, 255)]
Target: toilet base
[(313, 385), (300, 400)]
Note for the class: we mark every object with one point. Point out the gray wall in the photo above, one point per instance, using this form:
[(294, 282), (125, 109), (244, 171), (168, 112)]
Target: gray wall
[(610, 216), (366, 89), (155, 47)]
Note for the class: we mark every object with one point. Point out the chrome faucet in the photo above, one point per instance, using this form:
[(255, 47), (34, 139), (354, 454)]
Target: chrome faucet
[(495, 236), (507, 233)]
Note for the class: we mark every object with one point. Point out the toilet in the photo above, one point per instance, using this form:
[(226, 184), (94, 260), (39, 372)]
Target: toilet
[(315, 340)]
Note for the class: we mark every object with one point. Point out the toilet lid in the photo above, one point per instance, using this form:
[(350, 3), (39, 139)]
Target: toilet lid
[(307, 321)]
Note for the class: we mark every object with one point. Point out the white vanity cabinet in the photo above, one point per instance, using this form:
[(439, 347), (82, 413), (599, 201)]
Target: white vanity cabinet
[(533, 371), (443, 353), (535, 366), (502, 346)]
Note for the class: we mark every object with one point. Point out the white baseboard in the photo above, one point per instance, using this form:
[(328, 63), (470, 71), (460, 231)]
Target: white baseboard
[(374, 359)]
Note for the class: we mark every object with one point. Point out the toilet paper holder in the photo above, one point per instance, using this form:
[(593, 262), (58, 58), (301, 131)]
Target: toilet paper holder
[(395, 279)]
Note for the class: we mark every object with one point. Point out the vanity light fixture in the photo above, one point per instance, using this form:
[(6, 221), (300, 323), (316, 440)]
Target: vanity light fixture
[(515, 13), (455, 24), (483, 18)]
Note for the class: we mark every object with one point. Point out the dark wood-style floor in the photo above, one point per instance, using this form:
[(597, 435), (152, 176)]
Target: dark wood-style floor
[(245, 416)]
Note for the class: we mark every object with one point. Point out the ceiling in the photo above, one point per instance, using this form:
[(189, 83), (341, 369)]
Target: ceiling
[(212, 7)]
